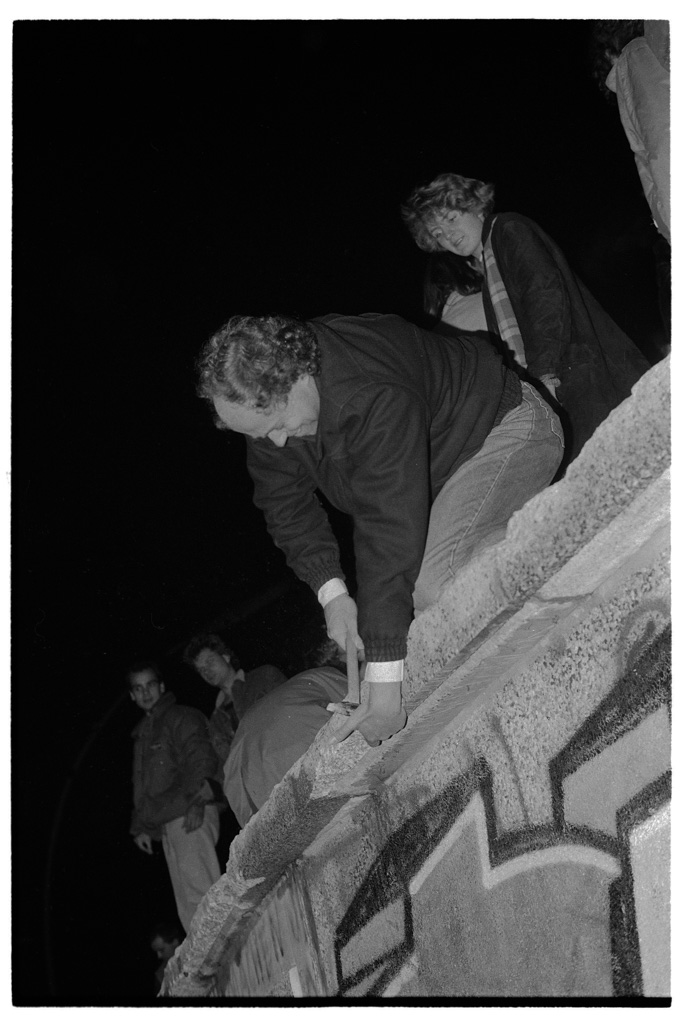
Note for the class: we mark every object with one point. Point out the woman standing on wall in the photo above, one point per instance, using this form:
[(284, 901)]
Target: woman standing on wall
[(543, 314)]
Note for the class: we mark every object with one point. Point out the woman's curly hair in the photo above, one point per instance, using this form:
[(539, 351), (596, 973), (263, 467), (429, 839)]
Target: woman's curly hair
[(255, 360), (445, 192)]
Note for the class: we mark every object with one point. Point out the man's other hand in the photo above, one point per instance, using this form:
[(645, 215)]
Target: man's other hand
[(341, 621), (205, 793), (194, 816), (143, 842)]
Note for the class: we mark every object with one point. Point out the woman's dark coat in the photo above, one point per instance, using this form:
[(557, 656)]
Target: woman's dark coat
[(566, 332)]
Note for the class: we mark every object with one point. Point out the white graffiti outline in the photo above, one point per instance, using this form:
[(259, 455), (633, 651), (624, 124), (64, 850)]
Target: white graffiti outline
[(562, 853)]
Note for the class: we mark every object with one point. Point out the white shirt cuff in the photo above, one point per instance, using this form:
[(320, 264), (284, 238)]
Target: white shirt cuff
[(384, 671), (333, 588)]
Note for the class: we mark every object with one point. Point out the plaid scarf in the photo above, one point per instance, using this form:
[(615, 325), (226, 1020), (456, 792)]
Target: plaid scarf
[(503, 310)]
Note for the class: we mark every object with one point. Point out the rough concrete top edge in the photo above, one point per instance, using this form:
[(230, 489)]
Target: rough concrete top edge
[(627, 452), (281, 829)]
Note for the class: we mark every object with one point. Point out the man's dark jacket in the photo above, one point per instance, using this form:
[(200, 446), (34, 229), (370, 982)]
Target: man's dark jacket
[(400, 410), (566, 332), (172, 757)]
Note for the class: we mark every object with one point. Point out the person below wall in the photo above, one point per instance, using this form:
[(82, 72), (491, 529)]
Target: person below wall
[(164, 940), (174, 788), (216, 663), (276, 731)]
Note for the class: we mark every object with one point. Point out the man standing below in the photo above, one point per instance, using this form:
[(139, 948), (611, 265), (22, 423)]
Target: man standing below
[(174, 771), (217, 664)]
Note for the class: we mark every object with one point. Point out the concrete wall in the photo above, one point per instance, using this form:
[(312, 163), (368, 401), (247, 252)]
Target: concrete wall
[(513, 840)]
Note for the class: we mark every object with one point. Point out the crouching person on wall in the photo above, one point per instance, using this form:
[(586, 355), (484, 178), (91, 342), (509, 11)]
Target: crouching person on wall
[(429, 443), (278, 729)]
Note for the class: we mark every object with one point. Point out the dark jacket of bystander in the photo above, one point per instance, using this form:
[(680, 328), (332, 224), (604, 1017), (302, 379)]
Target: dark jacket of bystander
[(172, 757)]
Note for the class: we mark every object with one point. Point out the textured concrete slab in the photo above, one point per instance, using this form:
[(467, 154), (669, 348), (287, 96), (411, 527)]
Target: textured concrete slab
[(519, 654), (506, 654), (627, 453)]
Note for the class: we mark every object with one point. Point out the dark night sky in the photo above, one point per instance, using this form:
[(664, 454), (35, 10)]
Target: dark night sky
[(166, 176)]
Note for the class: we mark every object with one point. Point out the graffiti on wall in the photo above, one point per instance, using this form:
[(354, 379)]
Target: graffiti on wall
[(575, 906), (622, 751)]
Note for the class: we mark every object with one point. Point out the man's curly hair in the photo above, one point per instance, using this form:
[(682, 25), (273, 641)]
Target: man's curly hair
[(255, 360), (445, 192)]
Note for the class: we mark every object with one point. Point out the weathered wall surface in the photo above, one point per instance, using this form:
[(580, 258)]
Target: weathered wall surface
[(514, 839)]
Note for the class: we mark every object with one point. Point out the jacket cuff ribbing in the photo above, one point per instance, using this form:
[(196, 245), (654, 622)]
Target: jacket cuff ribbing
[(384, 648), (320, 572)]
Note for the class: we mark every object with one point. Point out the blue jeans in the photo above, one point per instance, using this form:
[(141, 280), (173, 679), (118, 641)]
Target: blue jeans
[(519, 458)]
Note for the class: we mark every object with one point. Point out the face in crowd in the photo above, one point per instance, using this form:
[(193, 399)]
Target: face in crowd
[(213, 667), (457, 232), (163, 948), (146, 688)]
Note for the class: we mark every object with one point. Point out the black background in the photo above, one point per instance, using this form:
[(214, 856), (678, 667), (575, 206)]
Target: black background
[(166, 176)]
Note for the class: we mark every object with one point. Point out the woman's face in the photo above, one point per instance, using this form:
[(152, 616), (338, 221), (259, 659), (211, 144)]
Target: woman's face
[(459, 233)]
